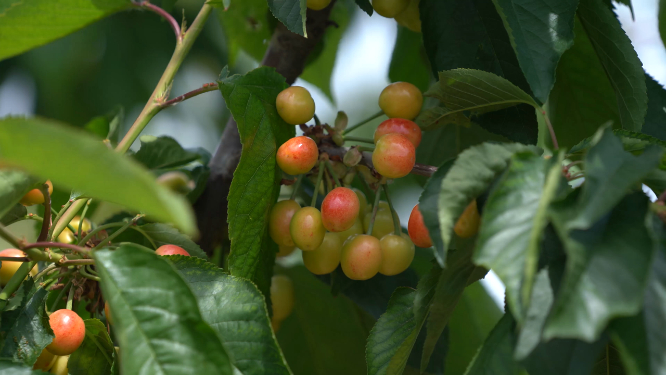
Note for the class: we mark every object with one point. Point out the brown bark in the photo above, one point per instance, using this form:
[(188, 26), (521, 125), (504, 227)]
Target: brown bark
[(287, 53)]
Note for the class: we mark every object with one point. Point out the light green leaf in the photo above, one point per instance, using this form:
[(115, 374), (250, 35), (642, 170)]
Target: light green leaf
[(619, 59), (222, 299), (42, 147), (163, 153), (28, 24), (495, 356), (291, 13), (156, 317), (13, 186), (246, 26), (256, 182), (471, 174), (95, 355), (409, 62)]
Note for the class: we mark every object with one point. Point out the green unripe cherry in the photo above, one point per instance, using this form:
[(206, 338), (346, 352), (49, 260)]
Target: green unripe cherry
[(326, 258), (397, 254), (307, 229)]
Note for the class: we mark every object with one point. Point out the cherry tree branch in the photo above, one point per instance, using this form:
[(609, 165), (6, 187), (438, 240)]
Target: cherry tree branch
[(164, 14)]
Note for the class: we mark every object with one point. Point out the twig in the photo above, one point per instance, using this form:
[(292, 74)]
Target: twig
[(207, 87), (164, 14), (77, 262)]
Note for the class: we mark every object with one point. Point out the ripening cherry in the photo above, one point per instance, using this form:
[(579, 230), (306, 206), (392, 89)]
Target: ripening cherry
[(279, 219), (410, 17), (468, 223), (357, 228), (8, 268), (66, 236), (171, 250), (298, 155), (69, 331), (176, 181), (394, 156), (60, 366), (107, 312), (44, 361), (401, 100), (389, 8), (362, 201), (400, 126), (35, 196), (361, 257), (295, 105), (307, 229), (275, 324), (397, 254), (383, 223), (317, 4), (325, 258), (282, 297), (284, 251), (418, 232), (340, 209)]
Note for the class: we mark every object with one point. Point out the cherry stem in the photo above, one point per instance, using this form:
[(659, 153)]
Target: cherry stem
[(164, 14), (374, 212), (316, 186), (553, 137), (297, 185), (333, 174), (83, 216), (40, 245), (568, 166), (77, 262), (62, 211), (359, 139), (62, 293), (84, 272), (70, 298), (316, 119), (396, 223), (207, 87), (107, 241), (46, 270), (364, 148), (46, 224), (364, 122)]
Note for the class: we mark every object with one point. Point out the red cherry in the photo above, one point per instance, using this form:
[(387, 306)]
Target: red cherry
[(340, 209), (400, 126), (298, 155), (418, 232), (69, 331), (279, 220), (394, 156), (171, 250)]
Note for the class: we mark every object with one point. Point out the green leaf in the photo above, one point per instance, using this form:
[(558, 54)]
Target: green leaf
[(106, 126), (29, 24), (15, 213), (607, 268), (13, 186), (25, 331), (471, 174), (319, 71), (246, 26), (12, 368), (536, 313), (365, 6), (256, 183), (655, 119), (662, 20), (495, 356), (163, 234), (409, 62), (95, 355), (582, 98), (291, 13), (619, 59), (428, 207), (155, 315), (223, 299), (162, 153), (42, 147), (609, 362), (540, 32)]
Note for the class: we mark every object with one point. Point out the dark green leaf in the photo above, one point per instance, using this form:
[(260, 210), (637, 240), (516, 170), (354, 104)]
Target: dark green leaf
[(535, 315), (13, 186), (409, 62), (42, 147), (247, 28), (256, 183), (608, 362), (631, 142), (14, 214), (496, 355), (12, 368), (156, 317), (162, 153), (106, 126), (25, 331), (291, 13), (620, 61), (365, 6), (30, 24), (582, 98), (223, 299), (471, 174), (95, 355), (655, 119), (428, 206), (540, 32), (662, 20)]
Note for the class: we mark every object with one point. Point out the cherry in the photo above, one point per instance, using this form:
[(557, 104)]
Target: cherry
[(176, 181), (171, 250), (35, 196), (394, 156), (418, 232), (298, 155), (389, 8), (400, 126), (8, 268), (402, 100), (295, 105), (60, 366), (285, 250), (107, 312), (307, 229), (66, 236), (282, 296), (410, 17), (279, 219), (340, 209), (357, 228), (69, 331), (317, 4), (468, 223), (44, 361), (397, 254), (383, 223), (361, 257), (325, 258), (362, 201)]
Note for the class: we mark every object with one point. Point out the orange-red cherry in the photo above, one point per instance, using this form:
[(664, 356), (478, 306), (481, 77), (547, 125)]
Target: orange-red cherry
[(361, 257), (69, 331), (340, 209), (9, 268), (298, 155), (394, 156), (279, 220), (35, 196), (418, 232), (107, 312), (402, 126), (171, 250)]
